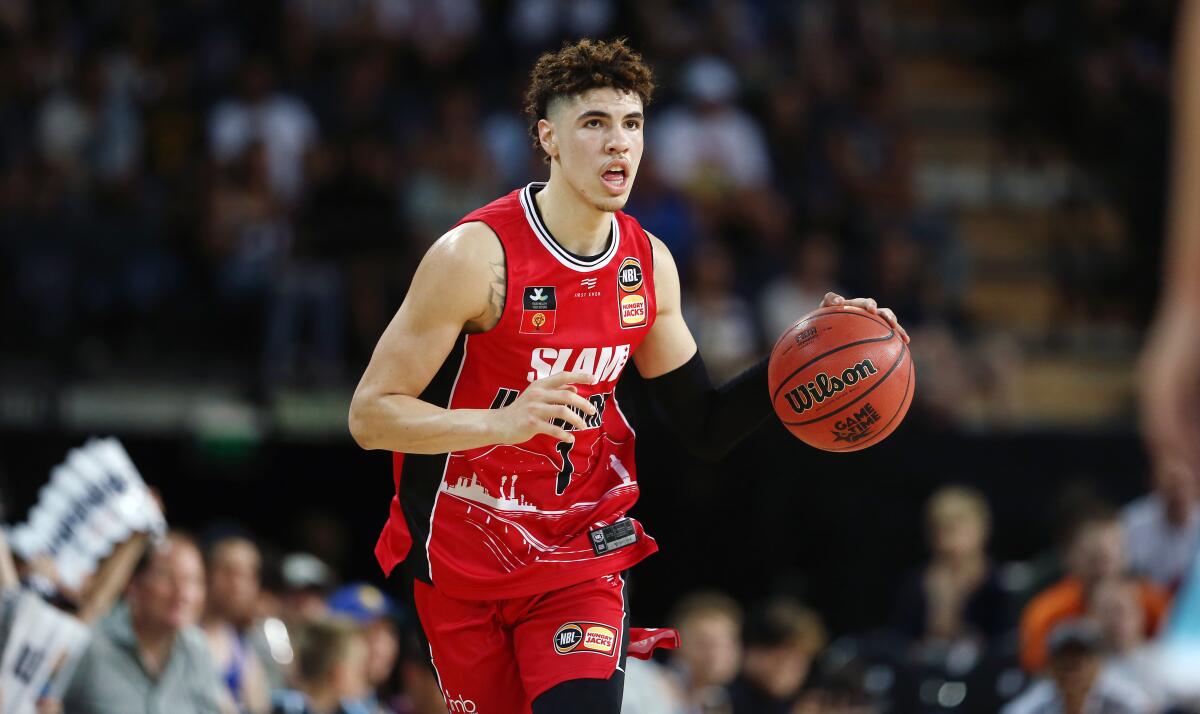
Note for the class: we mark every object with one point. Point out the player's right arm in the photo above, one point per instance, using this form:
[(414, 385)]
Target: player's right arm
[(459, 286), (1170, 364)]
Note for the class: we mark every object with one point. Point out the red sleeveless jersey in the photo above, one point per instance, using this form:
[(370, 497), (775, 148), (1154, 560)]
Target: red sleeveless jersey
[(509, 521)]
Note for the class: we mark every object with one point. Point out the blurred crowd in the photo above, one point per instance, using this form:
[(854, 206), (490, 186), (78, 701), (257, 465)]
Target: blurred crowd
[(1093, 77), (240, 191), (1106, 621)]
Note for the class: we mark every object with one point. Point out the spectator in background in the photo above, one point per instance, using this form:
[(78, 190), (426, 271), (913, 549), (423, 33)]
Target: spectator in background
[(721, 320), (899, 277), (307, 582), (248, 234), (351, 218), (422, 694), (263, 115), (711, 147), (650, 689), (1162, 528), (447, 171), (148, 655), (1095, 551), (710, 651), (331, 670), (234, 566), (956, 595), (870, 148), (813, 271), (1077, 681), (90, 132), (780, 643), (373, 612), (1115, 608)]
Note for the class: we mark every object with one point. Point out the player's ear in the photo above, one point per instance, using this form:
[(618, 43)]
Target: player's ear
[(547, 138)]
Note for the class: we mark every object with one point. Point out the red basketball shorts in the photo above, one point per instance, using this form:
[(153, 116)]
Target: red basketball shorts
[(497, 656)]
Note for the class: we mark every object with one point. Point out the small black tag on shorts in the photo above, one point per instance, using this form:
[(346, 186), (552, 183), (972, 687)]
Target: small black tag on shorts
[(609, 538)]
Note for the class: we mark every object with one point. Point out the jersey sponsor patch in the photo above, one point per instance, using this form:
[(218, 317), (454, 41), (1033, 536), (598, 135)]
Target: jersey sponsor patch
[(576, 637), (613, 537), (538, 310), (629, 276), (633, 310), (631, 298)]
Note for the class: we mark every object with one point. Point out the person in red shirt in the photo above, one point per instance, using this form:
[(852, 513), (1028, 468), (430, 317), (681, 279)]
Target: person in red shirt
[(494, 386)]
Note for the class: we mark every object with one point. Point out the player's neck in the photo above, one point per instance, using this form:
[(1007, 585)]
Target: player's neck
[(575, 223)]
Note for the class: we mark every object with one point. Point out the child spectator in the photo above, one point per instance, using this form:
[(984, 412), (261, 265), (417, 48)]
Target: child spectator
[(331, 670)]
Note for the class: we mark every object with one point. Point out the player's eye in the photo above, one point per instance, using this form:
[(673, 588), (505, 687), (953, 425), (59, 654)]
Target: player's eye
[(633, 124), (592, 123)]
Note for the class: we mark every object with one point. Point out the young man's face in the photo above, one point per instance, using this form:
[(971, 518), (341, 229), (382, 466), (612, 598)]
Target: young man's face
[(596, 140)]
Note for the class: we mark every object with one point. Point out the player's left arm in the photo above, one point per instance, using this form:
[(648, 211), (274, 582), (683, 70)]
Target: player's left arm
[(709, 420)]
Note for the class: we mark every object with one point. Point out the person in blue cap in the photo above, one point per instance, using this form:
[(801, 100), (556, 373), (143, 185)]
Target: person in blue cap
[(377, 615)]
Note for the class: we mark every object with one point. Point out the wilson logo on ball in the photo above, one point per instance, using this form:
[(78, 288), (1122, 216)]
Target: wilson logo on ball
[(822, 387)]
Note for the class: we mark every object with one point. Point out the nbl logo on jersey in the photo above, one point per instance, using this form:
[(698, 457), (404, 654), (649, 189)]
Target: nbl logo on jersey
[(538, 310), (631, 298)]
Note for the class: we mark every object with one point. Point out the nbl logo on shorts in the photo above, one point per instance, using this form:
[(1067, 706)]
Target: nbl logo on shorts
[(576, 637)]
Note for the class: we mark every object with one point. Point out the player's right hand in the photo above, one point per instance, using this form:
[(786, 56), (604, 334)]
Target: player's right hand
[(542, 402)]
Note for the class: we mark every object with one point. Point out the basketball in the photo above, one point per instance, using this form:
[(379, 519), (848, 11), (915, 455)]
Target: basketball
[(841, 379)]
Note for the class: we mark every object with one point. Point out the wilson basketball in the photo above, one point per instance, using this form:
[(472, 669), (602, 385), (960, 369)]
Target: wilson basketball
[(841, 379)]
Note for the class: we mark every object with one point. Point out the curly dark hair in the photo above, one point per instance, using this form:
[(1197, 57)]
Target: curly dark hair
[(580, 66)]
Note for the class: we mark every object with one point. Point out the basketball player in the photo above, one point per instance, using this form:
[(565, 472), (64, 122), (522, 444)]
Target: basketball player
[(1171, 360), (494, 387)]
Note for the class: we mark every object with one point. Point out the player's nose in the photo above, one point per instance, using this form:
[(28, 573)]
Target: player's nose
[(618, 143)]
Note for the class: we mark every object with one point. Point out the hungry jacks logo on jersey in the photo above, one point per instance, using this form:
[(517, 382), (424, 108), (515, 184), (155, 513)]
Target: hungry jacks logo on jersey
[(631, 298), (538, 310)]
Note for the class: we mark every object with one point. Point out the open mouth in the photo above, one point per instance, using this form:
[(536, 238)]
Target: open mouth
[(615, 177)]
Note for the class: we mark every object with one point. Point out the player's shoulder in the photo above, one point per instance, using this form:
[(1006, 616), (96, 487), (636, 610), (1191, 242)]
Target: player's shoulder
[(500, 212), (466, 246), (663, 260)]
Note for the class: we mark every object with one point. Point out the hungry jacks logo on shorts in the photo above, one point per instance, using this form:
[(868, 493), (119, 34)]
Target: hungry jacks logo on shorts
[(576, 637), (538, 309)]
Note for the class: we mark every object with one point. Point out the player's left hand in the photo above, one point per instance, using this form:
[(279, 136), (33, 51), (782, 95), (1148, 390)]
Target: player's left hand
[(868, 304)]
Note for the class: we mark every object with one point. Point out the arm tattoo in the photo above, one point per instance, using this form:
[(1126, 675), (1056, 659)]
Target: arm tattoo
[(497, 289)]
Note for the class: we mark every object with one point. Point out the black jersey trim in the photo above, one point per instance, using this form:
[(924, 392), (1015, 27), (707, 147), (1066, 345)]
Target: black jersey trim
[(563, 255), (466, 340)]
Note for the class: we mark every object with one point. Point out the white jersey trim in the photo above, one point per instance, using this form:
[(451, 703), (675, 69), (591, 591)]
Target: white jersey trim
[(561, 254)]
